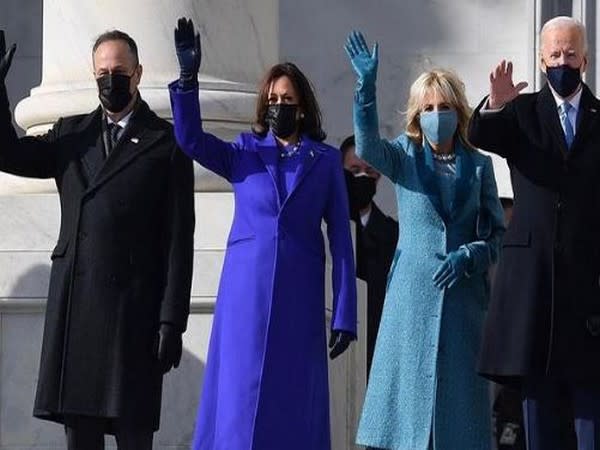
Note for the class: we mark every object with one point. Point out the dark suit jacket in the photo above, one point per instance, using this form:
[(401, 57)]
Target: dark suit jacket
[(375, 246), (122, 264), (544, 317)]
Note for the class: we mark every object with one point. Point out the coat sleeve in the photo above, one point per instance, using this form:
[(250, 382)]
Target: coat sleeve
[(209, 151), (385, 156), (175, 305), (490, 227), (495, 132), (33, 157), (337, 218)]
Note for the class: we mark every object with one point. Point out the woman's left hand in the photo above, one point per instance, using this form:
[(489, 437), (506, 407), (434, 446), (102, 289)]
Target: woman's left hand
[(363, 60), (339, 342), (452, 269)]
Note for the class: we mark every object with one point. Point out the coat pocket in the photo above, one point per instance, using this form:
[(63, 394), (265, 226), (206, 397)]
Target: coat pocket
[(517, 238), (60, 249)]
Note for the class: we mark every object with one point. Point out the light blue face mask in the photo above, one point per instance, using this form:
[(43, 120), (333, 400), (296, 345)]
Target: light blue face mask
[(438, 126)]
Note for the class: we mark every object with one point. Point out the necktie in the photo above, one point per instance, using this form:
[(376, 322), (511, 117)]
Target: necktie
[(566, 123), (113, 135)]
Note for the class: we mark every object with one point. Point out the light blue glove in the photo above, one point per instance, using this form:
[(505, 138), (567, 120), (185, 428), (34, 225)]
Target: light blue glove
[(454, 267), (364, 62)]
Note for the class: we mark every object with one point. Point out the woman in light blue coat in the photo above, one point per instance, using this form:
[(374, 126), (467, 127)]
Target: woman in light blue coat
[(423, 390)]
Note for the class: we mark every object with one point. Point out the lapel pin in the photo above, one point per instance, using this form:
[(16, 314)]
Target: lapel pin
[(593, 110), (312, 154), (135, 140)]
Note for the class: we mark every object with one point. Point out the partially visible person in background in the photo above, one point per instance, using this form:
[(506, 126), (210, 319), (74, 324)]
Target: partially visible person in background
[(376, 236), (507, 416)]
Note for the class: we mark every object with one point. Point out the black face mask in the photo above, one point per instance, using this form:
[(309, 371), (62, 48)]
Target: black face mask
[(113, 91), (282, 119), (361, 191), (564, 79)]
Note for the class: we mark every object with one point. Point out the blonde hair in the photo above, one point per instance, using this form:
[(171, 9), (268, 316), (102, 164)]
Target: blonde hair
[(448, 86)]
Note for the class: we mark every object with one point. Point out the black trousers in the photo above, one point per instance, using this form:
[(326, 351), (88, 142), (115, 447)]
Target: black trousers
[(543, 414), (87, 433)]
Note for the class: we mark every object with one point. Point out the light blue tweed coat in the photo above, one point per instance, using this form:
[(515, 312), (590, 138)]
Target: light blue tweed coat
[(423, 387)]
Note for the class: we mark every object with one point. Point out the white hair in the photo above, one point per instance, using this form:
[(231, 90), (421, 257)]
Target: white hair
[(564, 22)]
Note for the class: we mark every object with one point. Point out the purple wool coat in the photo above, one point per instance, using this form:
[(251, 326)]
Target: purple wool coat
[(265, 384)]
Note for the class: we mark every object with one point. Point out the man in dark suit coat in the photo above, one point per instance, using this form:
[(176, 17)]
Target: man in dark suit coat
[(543, 325), (376, 237), (119, 290)]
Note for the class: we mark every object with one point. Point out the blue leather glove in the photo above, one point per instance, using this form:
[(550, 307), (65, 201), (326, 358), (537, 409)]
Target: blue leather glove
[(5, 57), (364, 62), (454, 267), (339, 342), (189, 53)]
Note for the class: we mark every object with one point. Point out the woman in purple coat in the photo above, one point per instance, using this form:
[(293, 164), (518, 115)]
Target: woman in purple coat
[(265, 385)]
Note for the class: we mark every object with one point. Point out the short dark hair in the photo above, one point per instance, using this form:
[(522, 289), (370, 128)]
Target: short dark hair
[(310, 124), (347, 144), (117, 35)]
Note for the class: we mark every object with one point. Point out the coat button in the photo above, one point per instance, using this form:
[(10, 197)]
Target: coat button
[(593, 325), (82, 235)]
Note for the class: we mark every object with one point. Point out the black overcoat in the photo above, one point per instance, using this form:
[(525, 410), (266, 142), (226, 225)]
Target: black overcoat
[(375, 248), (544, 316), (122, 264)]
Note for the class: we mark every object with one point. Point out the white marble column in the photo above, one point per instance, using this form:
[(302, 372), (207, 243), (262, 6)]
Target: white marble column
[(239, 41)]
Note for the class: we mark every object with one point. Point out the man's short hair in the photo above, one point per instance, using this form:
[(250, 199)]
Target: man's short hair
[(564, 21), (117, 35), (347, 144)]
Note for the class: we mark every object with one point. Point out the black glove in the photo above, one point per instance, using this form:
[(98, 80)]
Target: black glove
[(339, 342), (5, 57), (170, 346), (189, 53)]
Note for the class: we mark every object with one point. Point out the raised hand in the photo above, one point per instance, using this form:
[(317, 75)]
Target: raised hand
[(5, 57), (189, 53), (502, 89), (364, 62)]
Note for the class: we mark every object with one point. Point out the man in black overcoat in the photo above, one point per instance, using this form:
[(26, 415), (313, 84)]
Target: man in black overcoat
[(543, 326), (119, 290), (376, 236)]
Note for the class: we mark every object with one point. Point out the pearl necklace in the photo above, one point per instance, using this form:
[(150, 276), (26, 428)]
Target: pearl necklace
[(443, 157), (292, 152)]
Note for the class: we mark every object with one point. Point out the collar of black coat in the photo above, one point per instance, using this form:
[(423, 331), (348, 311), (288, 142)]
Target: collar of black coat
[(142, 119), (587, 118), (144, 130)]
